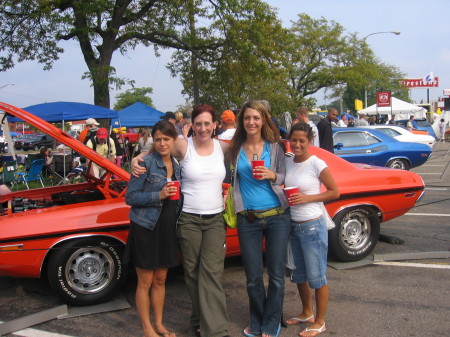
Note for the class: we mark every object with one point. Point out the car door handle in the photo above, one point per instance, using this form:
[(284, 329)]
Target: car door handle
[(368, 151)]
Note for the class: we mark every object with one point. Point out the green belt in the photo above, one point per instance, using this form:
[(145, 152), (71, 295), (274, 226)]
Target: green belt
[(263, 213)]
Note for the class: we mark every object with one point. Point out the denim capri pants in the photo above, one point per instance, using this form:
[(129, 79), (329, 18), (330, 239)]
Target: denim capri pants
[(309, 241)]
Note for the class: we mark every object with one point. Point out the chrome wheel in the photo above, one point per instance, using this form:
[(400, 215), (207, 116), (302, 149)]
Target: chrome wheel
[(398, 164), (355, 234), (88, 270), (354, 230)]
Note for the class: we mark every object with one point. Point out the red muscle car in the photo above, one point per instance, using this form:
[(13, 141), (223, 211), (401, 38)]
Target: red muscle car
[(75, 234)]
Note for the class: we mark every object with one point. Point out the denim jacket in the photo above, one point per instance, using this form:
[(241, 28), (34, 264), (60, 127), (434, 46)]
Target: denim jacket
[(143, 192)]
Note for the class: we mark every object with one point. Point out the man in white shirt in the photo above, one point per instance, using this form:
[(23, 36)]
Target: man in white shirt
[(342, 121), (228, 127), (410, 125), (302, 116)]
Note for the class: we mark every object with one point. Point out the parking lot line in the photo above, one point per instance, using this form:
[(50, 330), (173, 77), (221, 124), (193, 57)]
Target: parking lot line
[(426, 214), (36, 333), (415, 265)]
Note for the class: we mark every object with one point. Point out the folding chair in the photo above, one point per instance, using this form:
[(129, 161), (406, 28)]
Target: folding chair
[(8, 175), (62, 166), (33, 173)]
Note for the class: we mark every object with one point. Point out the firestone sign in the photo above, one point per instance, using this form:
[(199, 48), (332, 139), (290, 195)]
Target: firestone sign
[(419, 83)]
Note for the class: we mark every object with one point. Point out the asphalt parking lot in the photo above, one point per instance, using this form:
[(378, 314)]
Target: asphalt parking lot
[(406, 297)]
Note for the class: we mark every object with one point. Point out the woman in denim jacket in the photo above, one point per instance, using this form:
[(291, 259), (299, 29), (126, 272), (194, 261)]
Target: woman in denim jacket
[(152, 243)]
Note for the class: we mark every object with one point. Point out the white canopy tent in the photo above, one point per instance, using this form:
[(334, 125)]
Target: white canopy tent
[(400, 109)]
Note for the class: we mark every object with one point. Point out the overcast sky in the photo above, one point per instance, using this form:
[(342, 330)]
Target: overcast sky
[(422, 47)]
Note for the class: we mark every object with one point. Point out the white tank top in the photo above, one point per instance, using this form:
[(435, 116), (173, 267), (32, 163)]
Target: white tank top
[(201, 180)]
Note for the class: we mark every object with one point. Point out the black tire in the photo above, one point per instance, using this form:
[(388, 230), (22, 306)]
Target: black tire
[(398, 163), (355, 235), (73, 275)]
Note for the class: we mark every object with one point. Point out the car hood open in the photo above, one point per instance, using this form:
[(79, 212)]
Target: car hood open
[(63, 137)]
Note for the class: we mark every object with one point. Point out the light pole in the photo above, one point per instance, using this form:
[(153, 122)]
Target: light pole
[(365, 38)]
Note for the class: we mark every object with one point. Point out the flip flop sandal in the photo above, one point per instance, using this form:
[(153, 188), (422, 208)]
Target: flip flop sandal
[(298, 320), (319, 331)]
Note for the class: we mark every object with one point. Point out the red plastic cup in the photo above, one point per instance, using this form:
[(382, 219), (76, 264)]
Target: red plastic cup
[(256, 163), (289, 191), (176, 196)]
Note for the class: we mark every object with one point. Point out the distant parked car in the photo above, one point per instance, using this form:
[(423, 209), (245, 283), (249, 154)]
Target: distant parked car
[(404, 135), (34, 142), (421, 124), (18, 141), (373, 147)]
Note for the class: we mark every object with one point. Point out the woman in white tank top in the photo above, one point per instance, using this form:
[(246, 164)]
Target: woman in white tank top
[(201, 230)]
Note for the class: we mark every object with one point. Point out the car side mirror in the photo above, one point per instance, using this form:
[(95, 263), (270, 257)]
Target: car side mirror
[(339, 146)]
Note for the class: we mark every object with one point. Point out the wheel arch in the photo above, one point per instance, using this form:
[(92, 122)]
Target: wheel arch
[(398, 157), (365, 204), (64, 240)]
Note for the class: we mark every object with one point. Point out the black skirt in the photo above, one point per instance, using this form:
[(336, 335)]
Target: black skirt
[(157, 248)]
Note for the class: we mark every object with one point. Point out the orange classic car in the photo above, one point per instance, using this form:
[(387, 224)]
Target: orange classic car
[(75, 234)]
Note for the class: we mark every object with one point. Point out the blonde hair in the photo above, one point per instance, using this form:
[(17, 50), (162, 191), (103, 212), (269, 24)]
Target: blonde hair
[(178, 116)]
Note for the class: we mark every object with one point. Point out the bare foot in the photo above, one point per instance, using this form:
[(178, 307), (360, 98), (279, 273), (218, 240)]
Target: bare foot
[(164, 332)]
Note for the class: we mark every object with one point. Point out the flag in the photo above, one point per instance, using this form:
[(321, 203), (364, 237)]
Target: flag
[(429, 78)]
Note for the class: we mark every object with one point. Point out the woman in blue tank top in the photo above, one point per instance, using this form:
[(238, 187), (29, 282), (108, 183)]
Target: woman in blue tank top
[(262, 212)]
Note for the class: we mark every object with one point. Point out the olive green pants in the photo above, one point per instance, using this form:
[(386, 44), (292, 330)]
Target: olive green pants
[(202, 246)]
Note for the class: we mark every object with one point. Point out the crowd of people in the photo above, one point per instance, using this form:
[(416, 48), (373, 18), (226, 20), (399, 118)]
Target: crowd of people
[(195, 224)]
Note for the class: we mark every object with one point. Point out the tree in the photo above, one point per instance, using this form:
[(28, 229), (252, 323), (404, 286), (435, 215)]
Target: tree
[(33, 30), (132, 96), (320, 56), (248, 66)]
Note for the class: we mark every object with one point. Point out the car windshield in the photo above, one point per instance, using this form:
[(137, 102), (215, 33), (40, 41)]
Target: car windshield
[(423, 122)]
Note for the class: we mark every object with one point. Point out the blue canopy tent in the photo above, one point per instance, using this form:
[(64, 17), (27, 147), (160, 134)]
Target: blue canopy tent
[(137, 114), (67, 111)]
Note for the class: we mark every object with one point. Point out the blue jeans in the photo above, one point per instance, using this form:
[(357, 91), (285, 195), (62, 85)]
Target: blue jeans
[(309, 242), (265, 310)]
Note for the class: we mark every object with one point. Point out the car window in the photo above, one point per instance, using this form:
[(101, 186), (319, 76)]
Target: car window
[(350, 139), (386, 131), (389, 132), (371, 139)]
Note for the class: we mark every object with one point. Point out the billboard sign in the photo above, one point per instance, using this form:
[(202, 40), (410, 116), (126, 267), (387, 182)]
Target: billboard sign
[(383, 98), (419, 83)]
